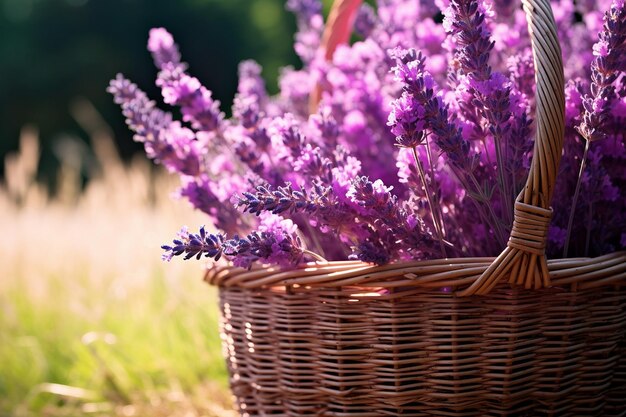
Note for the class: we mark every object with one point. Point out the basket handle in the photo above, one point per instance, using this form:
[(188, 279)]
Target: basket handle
[(524, 257), (336, 32)]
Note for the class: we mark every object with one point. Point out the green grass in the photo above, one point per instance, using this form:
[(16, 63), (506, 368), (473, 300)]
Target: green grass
[(120, 345), (92, 322)]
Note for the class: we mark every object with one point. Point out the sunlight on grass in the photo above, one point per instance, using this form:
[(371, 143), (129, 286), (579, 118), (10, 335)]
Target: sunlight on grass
[(91, 320)]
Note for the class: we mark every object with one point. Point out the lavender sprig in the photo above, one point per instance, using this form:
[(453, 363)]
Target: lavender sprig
[(164, 50), (178, 88), (284, 199), (165, 141), (310, 27), (410, 70), (395, 227), (195, 245), (464, 19), (371, 215), (407, 123), (319, 205), (276, 247), (607, 65), (251, 98)]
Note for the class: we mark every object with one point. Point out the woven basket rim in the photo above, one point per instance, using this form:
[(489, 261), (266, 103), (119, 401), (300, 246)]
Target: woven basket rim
[(458, 273)]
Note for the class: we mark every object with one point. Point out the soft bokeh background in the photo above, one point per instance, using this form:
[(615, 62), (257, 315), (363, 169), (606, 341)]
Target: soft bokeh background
[(54, 52), (91, 321)]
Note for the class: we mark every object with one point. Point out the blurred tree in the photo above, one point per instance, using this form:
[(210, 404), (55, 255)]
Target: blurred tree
[(54, 51)]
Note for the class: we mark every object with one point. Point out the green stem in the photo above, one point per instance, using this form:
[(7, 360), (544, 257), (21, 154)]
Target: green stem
[(315, 256), (504, 189), (589, 226), (435, 189), (436, 223), (570, 222), (484, 199), (460, 175)]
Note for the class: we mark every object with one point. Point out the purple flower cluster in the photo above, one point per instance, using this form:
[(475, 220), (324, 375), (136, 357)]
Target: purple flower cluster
[(179, 88), (275, 242), (410, 143), (596, 216), (608, 65), (165, 141)]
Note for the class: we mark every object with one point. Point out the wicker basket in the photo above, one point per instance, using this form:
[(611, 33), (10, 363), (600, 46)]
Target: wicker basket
[(444, 337)]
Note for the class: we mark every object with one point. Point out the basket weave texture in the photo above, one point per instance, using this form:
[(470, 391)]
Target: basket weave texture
[(448, 337), (344, 340)]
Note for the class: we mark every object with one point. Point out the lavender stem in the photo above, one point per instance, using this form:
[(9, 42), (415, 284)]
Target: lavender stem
[(570, 223), (433, 212), (435, 188), (494, 218), (589, 226), (504, 192), (315, 256)]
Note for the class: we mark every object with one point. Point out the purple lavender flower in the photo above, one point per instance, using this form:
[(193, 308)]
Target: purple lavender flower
[(195, 245), (609, 62), (407, 121), (180, 89), (371, 214), (304, 9), (464, 19), (310, 27), (245, 149), (276, 245), (164, 50), (251, 97), (287, 139), (608, 65), (371, 251), (365, 21), (282, 199), (326, 128), (396, 229), (419, 84), (195, 101), (166, 142), (274, 242), (489, 96), (323, 208)]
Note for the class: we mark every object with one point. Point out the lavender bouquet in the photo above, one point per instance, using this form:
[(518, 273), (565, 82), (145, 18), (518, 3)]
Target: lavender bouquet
[(411, 143)]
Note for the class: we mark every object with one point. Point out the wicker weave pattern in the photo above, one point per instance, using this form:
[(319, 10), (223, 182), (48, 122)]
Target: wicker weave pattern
[(347, 339), (420, 352)]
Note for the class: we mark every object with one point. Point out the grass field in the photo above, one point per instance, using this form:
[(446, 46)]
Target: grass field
[(92, 322)]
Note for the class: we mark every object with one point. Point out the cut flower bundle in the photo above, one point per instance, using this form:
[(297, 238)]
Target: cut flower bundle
[(413, 142)]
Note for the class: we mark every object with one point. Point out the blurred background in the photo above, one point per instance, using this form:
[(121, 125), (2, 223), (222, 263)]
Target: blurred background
[(92, 322), (58, 52)]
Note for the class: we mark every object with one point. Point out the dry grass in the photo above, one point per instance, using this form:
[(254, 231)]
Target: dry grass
[(92, 322)]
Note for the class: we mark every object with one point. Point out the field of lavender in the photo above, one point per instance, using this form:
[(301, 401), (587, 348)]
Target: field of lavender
[(92, 322)]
